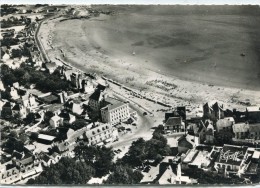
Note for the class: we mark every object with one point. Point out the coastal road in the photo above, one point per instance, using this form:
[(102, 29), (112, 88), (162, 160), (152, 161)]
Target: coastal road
[(145, 122)]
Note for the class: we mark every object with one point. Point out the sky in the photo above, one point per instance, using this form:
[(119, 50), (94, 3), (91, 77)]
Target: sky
[(192, 2)]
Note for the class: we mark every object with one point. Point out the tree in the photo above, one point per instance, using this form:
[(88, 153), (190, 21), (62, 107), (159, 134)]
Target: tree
[(66, 171), (78, 124), (136, 153), (224, 137), (124, 175), (104, 160), (30, 118), (48, 115)]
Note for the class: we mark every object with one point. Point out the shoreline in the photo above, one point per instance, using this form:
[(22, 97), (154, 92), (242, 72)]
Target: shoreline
[(186, 91)]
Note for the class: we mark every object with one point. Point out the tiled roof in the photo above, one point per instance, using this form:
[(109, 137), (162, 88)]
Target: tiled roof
[(173, 121), (96, 95)]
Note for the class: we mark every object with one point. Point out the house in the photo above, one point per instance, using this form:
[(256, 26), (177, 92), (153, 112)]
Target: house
[(254, 131), (51, 67), (7, 110), (198, 157), (114, 111), (241, 130), (87, 86), (225, 124), (56, 121), (5, 57), (167, 172), (29, 101), (101, 134), (198, 129), (19, 110), (76, 80), (186, 142), (22, 166), (209, 136), (14, 93), (174, 124), (67, 117), (47, 160), (97, 97), (253, 114), (75, 106)]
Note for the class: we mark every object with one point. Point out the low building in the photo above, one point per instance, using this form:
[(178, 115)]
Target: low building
[(185, 143), (45, 139), (114, 111)]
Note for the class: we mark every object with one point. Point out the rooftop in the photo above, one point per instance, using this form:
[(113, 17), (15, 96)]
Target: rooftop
[(46, 137), (240, 127), (112, 103), (253, 108)]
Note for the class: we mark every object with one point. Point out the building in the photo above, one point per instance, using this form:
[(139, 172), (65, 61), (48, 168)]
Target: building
[(46, 139), (230, 158), (114, 111), (225, 124), (22, 166), (241, 130), (199, 157), (238, 160), (254, 131), (101, 134), (167, 172), (56, 121), (174, 124), (186, 142), (97, 97), (253, 114), (75, 106), (214, 112), (19, 110)]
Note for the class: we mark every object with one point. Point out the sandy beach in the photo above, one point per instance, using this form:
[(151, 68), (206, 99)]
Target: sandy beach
[(124, 48)]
